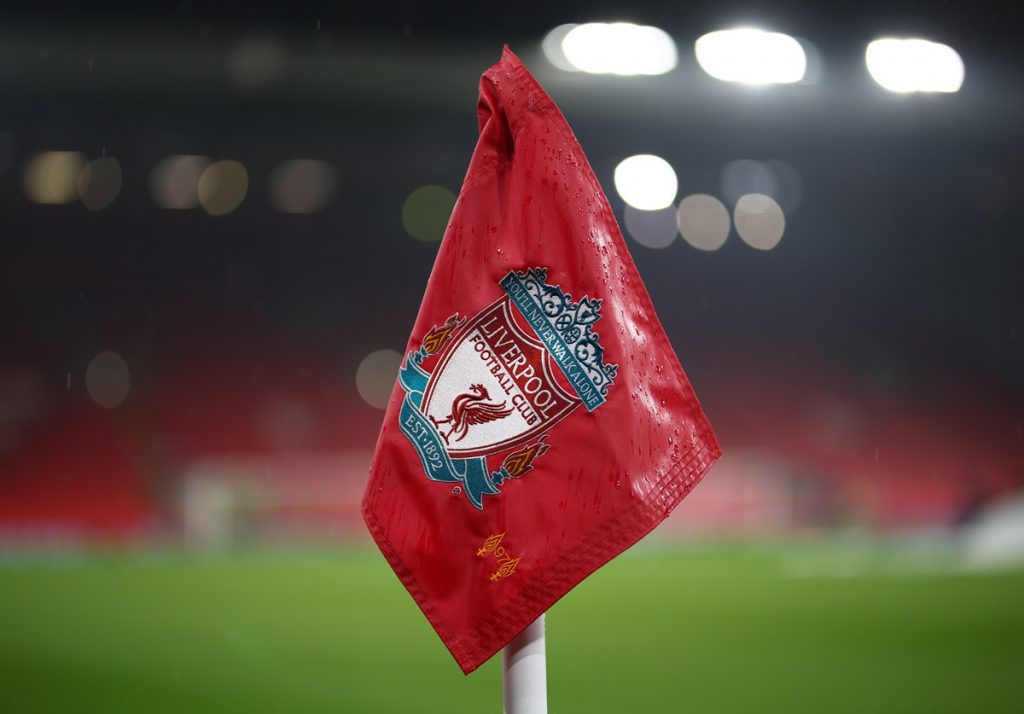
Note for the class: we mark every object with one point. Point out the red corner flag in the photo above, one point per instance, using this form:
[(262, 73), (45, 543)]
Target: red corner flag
[(541, 423)]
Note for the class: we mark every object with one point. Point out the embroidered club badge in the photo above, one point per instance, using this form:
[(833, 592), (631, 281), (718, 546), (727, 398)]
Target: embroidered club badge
[(502, 380)]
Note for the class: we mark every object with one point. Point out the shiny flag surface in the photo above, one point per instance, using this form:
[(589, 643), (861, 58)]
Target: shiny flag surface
[(541, 423)]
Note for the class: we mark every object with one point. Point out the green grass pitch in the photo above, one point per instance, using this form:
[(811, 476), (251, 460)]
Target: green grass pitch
[(715, 630)]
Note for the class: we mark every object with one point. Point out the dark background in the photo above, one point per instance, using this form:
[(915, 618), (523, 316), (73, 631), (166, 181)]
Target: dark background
[(896, 285)]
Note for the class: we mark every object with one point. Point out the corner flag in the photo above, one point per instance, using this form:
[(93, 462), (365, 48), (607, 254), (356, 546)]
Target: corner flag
[(541, 423)]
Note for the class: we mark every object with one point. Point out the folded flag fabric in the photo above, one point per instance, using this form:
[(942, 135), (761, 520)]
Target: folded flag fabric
[(541, 423)]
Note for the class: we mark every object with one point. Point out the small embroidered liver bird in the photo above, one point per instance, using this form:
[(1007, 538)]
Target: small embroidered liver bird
[(468, 409)]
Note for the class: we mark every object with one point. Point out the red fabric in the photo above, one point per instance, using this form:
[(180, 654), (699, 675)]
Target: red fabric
[(557, 455)]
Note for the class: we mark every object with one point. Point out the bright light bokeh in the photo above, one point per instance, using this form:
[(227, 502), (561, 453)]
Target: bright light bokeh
[(760, 221), (620, 48), (302, 186), (703, 221), (222, 187), (426, 211), (99, 183), (646, 182), (255, 62), (751, 56), (173, 181), (551, 46), (52, 177), (905, 65), (651, 229), (745, 176), (375, 378), (789, 184), (107, 379)]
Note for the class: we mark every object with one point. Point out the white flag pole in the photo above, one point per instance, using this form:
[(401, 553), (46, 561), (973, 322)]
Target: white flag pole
[(524, 672)]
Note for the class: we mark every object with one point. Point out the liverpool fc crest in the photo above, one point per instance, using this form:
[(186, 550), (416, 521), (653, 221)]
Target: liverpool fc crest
[(500, 381)]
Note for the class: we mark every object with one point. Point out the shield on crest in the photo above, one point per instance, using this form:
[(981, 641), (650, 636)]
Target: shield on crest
[(494, 387)]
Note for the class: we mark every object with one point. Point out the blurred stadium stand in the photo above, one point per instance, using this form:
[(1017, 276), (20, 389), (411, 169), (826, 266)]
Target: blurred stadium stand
[(866, 373)]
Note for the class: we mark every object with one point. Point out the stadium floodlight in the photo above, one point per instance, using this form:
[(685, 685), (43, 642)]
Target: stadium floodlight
[(905, 65), (751, 56), (552, 47), (620, 48), (646, 182)]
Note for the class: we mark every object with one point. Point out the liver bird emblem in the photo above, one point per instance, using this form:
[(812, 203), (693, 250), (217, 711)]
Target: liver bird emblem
[(468, 409)]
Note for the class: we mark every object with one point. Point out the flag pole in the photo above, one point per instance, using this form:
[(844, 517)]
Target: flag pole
[(524, 672)]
